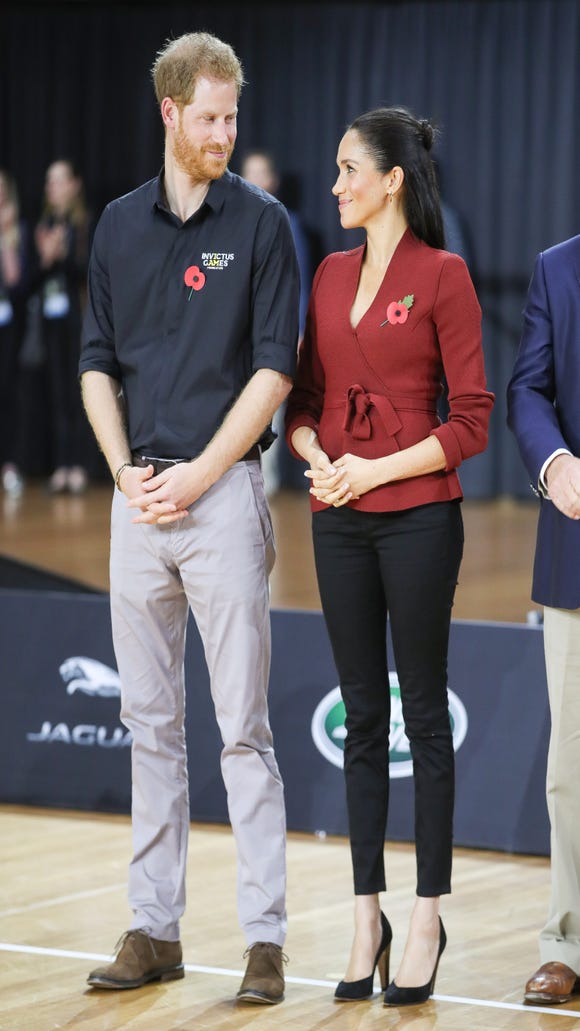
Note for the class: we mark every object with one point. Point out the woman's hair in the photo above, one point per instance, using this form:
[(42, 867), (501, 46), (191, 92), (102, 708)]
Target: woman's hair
[(392, 136), (181, 61), (11, 200), (76, 213), (10, 188)]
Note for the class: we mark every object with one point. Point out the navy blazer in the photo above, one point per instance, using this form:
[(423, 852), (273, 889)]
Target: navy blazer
[(544, 410)]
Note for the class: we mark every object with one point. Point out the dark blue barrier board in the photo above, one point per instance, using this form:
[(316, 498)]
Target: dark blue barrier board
[(62, 744)]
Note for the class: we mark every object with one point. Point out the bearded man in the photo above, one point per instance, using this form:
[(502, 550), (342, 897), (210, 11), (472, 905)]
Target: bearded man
[(189, 346)]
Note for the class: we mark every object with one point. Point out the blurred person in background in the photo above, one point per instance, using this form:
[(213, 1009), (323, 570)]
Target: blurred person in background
[(13, 270), (259, 168), (61, 241)]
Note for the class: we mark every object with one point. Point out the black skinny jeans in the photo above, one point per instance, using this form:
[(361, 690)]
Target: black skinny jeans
[(404, 563)]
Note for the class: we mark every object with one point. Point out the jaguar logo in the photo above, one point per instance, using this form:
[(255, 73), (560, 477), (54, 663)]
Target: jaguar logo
[(329, 732), (90, 676)]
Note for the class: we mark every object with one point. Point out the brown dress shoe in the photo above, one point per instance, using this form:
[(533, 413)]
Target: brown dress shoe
[(139, 959), (553, 982), (264, 977)]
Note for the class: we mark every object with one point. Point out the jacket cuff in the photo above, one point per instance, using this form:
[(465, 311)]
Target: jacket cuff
[(450, 445)]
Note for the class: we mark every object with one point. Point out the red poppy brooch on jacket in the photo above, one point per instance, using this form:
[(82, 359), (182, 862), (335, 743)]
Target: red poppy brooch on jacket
[(194, 278), (398, 311)]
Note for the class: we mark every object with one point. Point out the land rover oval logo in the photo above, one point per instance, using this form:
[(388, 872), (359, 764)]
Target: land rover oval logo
[(328, 730)]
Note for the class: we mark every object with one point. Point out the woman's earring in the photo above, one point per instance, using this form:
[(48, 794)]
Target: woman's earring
[(390, 198)]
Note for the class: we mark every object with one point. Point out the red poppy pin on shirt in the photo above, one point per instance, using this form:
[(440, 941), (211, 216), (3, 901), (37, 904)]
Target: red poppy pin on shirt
[(195, 278), (398, 311)]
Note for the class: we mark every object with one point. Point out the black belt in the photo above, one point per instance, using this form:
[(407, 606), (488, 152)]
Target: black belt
[(161, 464)]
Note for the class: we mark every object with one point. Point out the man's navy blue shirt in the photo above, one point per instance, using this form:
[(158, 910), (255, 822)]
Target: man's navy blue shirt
[(183, 313)]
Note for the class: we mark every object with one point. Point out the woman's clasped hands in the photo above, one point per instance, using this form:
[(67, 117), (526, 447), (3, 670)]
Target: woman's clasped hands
[(337, 483)]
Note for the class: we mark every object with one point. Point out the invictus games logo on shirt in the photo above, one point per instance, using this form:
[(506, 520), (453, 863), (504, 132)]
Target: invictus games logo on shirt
[(329, 733), (216, 260)]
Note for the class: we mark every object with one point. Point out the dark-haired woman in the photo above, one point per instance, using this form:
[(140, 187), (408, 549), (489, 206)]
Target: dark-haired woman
[(386, 322)]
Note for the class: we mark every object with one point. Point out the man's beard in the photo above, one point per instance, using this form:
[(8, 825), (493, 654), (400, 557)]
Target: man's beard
[(195, 161)]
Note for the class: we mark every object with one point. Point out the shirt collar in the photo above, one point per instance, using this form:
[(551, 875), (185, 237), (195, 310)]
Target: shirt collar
[(218, 189), (215, 196)]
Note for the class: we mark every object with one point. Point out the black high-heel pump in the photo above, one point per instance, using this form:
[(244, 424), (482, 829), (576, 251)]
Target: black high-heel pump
[(396, 996), (353, 991)]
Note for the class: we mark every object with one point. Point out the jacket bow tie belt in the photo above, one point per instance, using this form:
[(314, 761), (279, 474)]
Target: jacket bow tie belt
[(359, 403)]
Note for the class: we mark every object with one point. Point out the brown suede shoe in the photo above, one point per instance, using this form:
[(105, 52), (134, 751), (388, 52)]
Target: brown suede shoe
[(553, 982), (264, 978), (139, 959)]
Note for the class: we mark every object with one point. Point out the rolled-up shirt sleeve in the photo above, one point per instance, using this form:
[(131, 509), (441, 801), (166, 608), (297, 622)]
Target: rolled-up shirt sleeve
[(98, 335), (457, 317), (275, 294)]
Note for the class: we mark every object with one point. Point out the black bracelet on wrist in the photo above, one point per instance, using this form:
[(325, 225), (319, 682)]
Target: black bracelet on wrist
[(125, 465)]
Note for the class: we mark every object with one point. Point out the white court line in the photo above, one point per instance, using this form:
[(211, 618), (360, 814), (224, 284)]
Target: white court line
[(507, 1006), (89, 894), (195, 968)]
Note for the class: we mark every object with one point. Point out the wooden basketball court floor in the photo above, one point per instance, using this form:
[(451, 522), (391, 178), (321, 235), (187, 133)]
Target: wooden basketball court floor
[(63, 874)]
